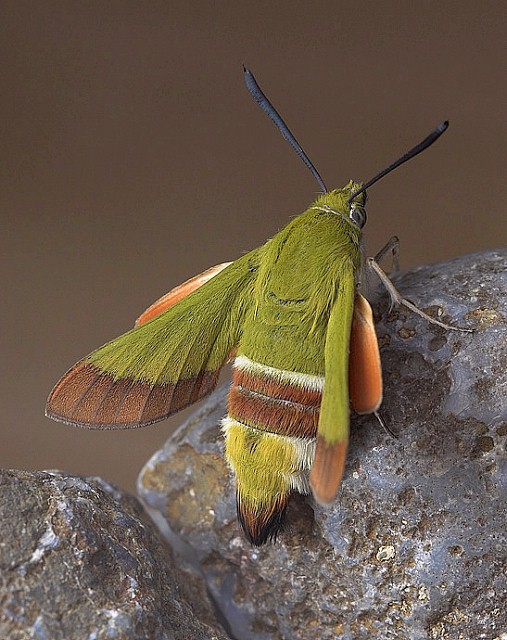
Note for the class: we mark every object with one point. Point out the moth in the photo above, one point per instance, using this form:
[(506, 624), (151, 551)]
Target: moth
[(302, 339)]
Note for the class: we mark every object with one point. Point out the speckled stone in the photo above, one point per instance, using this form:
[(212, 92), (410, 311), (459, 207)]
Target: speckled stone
[(414, 546), (81, 560)]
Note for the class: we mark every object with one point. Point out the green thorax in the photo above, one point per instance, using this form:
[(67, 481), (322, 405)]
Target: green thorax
[(299, 278)]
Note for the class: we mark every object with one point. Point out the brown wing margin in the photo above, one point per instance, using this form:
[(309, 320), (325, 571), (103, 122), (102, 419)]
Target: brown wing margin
[(88, 397)]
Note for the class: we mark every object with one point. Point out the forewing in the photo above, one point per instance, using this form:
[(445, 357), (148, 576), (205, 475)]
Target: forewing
[(333, 429), (162, 365)]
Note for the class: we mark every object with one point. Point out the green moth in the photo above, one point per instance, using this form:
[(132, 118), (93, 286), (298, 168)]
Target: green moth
[(303, 341)]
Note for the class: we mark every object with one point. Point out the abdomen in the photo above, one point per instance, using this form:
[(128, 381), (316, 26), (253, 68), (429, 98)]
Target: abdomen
[(270, 438)]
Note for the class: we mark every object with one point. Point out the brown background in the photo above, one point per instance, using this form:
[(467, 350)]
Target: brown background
[(132, 158)]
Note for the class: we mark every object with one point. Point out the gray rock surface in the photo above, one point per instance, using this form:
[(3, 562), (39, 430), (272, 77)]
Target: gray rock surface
[(414, 546), (81, 560)]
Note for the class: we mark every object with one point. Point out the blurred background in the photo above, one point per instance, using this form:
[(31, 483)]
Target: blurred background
[(132, 158)]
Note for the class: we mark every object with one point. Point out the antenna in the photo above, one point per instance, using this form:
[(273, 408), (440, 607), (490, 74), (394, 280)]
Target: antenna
[(259, 97), (424, 144)]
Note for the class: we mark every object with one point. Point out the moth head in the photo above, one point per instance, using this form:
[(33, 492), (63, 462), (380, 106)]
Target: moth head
[(344, 203), (356, 204)]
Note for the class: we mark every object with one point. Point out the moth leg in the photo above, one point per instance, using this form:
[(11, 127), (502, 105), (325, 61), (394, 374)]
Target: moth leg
[(392, 246), (384, 425), (397, 298)]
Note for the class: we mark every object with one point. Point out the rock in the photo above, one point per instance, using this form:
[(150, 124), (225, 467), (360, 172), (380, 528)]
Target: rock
[(80, 559), (414, 547)]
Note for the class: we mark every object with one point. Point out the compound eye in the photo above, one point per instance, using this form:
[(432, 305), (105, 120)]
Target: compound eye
[(358, 215)]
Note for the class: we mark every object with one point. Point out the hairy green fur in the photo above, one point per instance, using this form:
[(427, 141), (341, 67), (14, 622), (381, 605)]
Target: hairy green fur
[(196, 333), (334, 408), (298, 283)]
